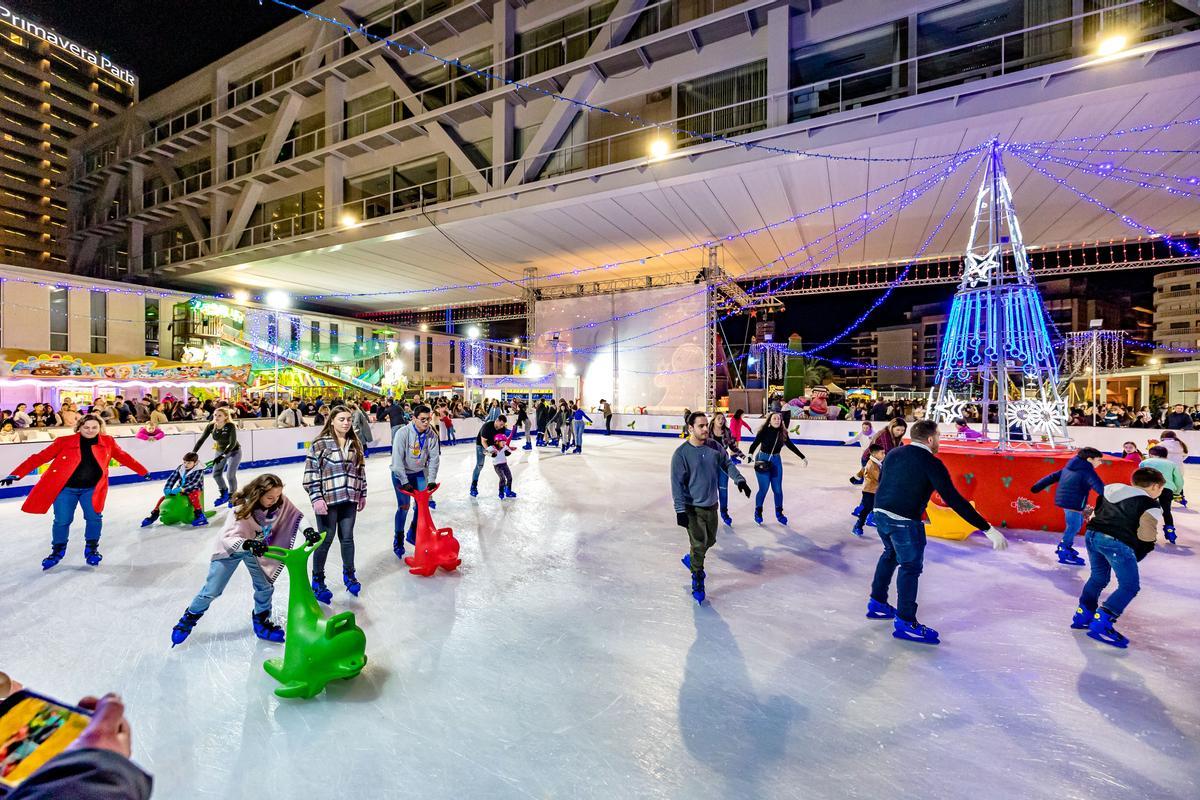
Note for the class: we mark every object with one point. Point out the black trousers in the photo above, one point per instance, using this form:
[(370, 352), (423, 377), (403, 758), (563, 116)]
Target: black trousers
[(865, 507), (339, 521), (1164, 502)]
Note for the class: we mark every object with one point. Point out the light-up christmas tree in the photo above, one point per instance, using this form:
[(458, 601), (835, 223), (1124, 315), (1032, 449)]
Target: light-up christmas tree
[(997, 348)]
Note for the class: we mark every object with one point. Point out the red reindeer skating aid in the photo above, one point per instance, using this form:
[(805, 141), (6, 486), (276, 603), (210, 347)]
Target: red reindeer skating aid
[(436, 547)]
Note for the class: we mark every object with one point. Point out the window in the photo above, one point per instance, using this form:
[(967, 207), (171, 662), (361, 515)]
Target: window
[(152, 326), (241, 157), (305, 136), (59, 319), (99, 312), (416, 354), (314, 339), (1180, 287), (333, 338), (564, 40), (359, 339), (370, 111), (817, 71), (717, 104), (429, 354)]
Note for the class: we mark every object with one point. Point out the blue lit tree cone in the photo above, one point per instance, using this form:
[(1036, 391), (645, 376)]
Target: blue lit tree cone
[(997, 337)]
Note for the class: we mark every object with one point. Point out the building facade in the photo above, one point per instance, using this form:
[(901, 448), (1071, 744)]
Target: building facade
[(1177, 312), (300, 139), (52, 90)]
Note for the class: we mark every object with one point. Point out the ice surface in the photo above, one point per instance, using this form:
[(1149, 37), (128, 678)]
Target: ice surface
[(566, 658)]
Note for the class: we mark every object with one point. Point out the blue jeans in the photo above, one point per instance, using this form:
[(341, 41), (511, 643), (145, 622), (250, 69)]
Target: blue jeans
[(723, 491), (1074, 523), (903, 547), (579, 426), (1107, 555), (64, 515), (403, 502), (772, 479), (479, 454), (220, 570)]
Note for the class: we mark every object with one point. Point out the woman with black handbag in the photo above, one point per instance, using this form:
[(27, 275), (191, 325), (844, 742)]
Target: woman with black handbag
[(768, 465)]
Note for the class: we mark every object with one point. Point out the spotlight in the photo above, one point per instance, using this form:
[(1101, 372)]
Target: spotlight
[(349, 221), (473, 332), (241, 296), (278, 299), (1113, 44), (659, 149)]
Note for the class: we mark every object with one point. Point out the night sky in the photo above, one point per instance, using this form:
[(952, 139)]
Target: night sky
[(161, 41)]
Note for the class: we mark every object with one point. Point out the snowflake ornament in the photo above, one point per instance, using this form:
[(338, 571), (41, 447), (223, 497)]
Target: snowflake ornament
[(978, 269), (947, 408)]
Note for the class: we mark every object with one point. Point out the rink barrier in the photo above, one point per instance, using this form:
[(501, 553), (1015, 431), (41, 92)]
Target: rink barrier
[(265, 446)]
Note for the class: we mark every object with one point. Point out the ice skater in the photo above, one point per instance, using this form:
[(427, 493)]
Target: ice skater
[(500, 449), (335, 477), (1130, 452), (188, 480), (1172, 486), (863, 440), (1177, 451), (1074, 481), (911, 474), (768, 464), (229, 453), (721, 439), (871, 472), (77, 476), (483, 443), (260, 513), (694, 470), (578, 415), (1120, 534), (416, 457)]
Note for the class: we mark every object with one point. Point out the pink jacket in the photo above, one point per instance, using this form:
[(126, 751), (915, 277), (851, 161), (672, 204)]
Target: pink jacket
[(146, 435), (236, 531)]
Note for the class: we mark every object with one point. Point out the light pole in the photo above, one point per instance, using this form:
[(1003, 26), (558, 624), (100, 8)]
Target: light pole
[(1095, 326), (277, 300)]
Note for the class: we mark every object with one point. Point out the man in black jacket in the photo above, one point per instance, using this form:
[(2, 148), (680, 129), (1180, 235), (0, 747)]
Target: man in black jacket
[(96, 766), (1178, 419), (911, 474)]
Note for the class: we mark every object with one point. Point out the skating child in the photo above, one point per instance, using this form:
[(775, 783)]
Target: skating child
[(500, 449), (150, 431), (188, 480), (1130, 452), (1173, 477), (871, 472), (1121, 533), (578, 415), (447, 425), (1074, 481), (1177, 451), (863, 440), (260, 513)]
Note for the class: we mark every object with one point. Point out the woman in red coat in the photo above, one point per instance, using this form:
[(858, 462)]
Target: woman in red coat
[(78, 476)]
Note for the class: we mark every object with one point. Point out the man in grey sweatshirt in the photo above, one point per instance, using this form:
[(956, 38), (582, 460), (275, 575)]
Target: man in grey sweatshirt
[(695, 468), (416, 455)]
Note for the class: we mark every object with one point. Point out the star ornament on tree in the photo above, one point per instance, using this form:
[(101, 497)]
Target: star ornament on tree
[(978, 269)]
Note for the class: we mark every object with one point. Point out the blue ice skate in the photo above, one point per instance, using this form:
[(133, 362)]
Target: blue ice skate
[(1169, 532), (1083, 618), (1068, 555), (858, 531), (878, 610), (1101, 629), (698, 587), (914, 632), (320, 590)]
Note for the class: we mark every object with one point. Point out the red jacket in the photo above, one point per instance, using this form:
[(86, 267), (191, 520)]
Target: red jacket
[(63, 452)]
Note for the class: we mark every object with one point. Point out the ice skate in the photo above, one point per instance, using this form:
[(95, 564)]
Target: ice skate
[(857, 509), (474, 491), (857, 481), (758, 514), (222, 499), (1169, 533), (687, 561), (728, 520), (351, 581), (1068, 555), (1101, 629), (870, 521), (91, 552), (528, 446), (150, 520), (1083, 618), (858, 531), (509, 493), (502, 495), (780, 517), (320, 590), (698, 587), (57, 551), (200, 520), (914, 632), (183, 628), (265, 629), (398, 546), (878, 610)]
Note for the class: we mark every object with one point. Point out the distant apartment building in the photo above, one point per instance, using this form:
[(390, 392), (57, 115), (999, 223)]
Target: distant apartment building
[(1177, 310)]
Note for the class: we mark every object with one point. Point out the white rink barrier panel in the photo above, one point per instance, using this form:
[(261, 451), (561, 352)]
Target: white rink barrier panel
[(264, 445)]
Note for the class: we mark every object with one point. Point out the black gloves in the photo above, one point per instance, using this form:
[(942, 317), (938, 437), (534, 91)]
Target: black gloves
[(681, 519), (431, 486), (9, 481), (744, 488), (407, 487), (311, 535), (255, 546)]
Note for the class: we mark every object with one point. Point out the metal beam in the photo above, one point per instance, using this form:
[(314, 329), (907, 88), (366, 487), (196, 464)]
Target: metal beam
[(190, 216), (579, 88)]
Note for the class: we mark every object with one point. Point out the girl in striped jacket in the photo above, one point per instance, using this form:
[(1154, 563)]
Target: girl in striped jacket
[(335, 478)]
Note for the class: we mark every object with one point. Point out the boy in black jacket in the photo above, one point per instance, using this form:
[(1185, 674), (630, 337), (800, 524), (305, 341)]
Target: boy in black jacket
[(1121, 533)]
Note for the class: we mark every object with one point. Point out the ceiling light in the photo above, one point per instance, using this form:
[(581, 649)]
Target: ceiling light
[(278, 299), (1112, 44), (659, 149), (241, 296)]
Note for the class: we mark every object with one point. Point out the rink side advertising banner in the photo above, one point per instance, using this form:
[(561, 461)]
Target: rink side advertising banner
[(662, 370)]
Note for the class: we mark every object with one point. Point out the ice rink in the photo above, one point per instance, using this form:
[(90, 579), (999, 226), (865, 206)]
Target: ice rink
[(566, 658)]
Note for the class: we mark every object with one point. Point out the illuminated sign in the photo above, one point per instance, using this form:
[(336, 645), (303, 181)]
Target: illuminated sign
[(210, 308), (63, 43)]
